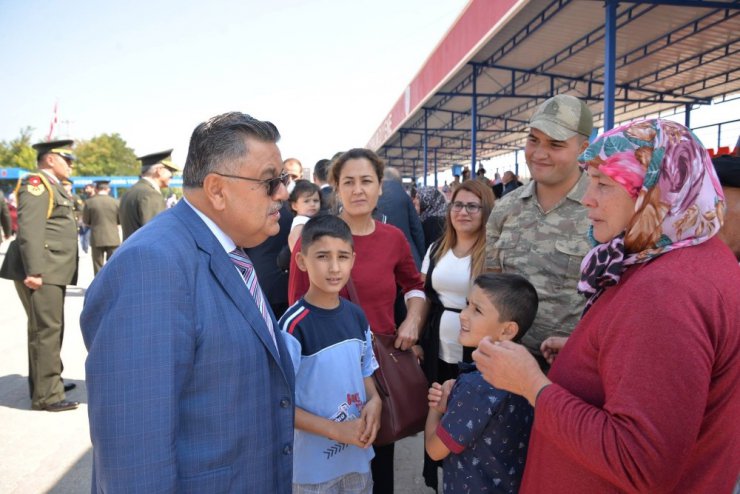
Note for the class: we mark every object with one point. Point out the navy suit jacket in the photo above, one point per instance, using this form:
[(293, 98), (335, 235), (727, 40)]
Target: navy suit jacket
[(399, 210), (186, 391)]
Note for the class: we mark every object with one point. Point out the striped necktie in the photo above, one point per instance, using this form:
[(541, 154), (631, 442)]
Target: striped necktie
[(246, 268)]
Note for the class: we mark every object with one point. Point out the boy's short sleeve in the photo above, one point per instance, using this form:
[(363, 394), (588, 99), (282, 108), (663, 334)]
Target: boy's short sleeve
[(369, 362), (294, 349), (472, 404)]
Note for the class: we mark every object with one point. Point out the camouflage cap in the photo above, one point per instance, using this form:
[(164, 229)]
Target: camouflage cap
[(563, 116)]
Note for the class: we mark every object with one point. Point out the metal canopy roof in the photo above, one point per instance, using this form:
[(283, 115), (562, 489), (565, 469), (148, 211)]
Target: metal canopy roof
[(502, 58)]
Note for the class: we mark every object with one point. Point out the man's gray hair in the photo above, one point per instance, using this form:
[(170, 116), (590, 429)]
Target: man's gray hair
[(391, 174), (221, 140)]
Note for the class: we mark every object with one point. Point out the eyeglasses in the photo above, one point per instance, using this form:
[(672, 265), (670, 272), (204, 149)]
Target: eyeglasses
[(271, 184), (470, 207)]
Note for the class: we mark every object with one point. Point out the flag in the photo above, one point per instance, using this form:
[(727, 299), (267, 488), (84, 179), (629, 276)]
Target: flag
[(54, 120)]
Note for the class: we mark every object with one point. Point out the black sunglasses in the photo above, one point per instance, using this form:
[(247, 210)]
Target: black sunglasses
[(271, 184)]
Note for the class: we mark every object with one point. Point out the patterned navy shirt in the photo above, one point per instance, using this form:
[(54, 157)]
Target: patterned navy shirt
[(487, 432)]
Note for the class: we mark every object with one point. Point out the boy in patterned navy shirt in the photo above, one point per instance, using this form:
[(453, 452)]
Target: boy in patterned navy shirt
[(328, 338), (482, 432)]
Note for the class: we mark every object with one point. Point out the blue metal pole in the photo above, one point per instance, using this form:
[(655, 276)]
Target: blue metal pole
[(426, 147), (516, 163), (474, 123), (610, 67), (687, 116), (436, 178)]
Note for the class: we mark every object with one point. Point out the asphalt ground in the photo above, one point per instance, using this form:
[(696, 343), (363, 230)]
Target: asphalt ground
[(44, 452)]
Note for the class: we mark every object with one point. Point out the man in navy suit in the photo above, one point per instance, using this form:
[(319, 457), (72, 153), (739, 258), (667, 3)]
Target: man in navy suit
[(190, 386), (399, 211)]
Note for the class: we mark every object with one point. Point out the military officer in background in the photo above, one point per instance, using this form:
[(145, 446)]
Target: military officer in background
[(43, 261), (5, 220), (79, 206), (101, 216), (144, 200)]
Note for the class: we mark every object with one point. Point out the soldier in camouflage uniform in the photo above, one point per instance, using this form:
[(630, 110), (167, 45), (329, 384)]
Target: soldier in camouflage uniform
[(144, 200), (540, 230), (43, 261)]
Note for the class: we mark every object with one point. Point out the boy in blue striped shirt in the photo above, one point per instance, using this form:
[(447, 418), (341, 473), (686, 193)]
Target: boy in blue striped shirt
[(328, 337)]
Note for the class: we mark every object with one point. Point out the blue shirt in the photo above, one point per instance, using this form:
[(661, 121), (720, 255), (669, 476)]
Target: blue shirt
[(332, 353), (487, 432)]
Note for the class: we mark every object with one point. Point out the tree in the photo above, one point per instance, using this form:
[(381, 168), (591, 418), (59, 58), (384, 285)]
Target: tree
[(106, 154), (18, 153)]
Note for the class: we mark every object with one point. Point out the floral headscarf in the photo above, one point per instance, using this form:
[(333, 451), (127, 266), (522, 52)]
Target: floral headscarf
[(678, 198), (431, 202)]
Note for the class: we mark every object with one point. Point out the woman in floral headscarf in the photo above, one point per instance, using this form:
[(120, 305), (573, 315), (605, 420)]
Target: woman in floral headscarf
[(432, 207), (644, 396)]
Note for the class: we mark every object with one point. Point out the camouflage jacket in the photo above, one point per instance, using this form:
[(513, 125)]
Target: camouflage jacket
[(547, 249)]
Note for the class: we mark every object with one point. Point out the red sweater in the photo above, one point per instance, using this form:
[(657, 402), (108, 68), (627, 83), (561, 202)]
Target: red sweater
[(646, 395), (382, 261)]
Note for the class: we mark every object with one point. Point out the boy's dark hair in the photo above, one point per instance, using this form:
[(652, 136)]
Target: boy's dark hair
[(513, 296), (302, 188), (325, 225)]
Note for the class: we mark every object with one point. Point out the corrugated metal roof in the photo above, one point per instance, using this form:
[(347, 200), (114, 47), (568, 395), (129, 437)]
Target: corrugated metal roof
[(667, 56)]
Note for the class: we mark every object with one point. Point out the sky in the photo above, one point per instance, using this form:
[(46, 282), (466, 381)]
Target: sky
[(326, 72)]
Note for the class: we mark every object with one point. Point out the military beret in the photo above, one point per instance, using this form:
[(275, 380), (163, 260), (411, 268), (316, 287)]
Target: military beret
[(728, 170), (162, 157), (62, 148)]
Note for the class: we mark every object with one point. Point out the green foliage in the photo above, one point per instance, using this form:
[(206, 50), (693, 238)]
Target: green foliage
[(18, 153), (106, 154)]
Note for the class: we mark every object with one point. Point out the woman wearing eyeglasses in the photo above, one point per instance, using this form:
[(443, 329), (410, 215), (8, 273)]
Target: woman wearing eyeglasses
[(383, 261), (449, 268)]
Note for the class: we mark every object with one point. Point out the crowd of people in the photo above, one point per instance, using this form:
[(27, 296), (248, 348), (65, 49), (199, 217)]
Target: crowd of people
[(579, 333)]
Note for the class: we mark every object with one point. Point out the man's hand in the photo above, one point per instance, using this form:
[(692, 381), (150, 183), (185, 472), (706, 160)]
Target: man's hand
[(33, 282)]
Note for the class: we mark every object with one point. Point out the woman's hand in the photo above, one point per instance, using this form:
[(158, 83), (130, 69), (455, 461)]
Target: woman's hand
[(552, 346), (418, 352), (409, 330), (511, 367), (407, 335)]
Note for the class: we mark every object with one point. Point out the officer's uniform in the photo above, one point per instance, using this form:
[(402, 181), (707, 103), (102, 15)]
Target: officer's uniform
[(82, 230), (5, 220), (143, 201), (46, 245), (101, 215)]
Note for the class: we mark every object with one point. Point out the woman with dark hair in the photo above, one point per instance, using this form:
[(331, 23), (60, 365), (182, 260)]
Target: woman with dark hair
[(383, 261), (431, 205), (449, 268), (644, 395)]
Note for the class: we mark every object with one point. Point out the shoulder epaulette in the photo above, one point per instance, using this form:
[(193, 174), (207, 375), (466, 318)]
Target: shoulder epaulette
[(44, 181)]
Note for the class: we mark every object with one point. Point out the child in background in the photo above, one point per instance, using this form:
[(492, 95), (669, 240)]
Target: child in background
[(328, 338), (482, 432), (305, 201)]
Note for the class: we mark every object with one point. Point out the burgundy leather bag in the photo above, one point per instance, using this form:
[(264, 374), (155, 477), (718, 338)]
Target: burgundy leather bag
[(401, 385)]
